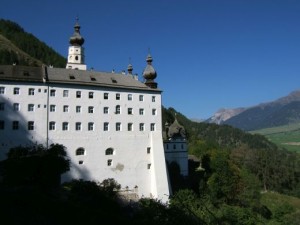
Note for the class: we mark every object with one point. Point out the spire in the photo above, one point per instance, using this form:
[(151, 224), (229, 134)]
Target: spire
[(76, 50), (149, 73), (76, 39), (129, 67)]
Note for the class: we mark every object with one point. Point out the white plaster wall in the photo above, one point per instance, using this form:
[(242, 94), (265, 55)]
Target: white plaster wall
[(130, 159), (178, 155)]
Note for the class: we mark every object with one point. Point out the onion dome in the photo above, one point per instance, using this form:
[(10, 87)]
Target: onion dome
[(149, 73), (76, 39), (176, 131), (129, 68)]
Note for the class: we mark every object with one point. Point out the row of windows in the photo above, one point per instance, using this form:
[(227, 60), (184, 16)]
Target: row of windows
[(31, 91), (31, 107), (65, 126), (174, 146), (108, 151), (81, 151)]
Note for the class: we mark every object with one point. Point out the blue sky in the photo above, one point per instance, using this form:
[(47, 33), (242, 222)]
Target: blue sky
[(208, 54)]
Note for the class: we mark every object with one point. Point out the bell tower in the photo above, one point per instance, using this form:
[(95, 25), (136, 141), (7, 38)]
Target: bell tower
[(76, 51)]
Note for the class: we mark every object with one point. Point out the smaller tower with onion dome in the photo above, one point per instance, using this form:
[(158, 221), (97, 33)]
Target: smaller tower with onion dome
[(76, 51), (175, 146), (149, 73)]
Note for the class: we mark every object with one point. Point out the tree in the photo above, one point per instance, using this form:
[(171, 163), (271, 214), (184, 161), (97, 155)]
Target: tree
[(35, 166)]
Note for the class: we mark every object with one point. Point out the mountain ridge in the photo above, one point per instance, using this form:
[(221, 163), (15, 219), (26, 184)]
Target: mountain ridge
[(282, 111), (22, 48)]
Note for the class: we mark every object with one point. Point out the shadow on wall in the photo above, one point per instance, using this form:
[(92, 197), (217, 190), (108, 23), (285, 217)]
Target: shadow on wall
[(77, 172), (16, 130), (13, 128)]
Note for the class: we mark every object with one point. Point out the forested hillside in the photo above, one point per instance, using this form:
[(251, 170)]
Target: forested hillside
[(276, 168), (18, 46)]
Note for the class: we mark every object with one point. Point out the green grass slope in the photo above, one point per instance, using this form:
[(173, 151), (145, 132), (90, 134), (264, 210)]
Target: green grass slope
[(287, 136), (285, 209)]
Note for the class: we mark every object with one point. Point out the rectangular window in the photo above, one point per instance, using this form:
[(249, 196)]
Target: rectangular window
[(105, 110), (149, 166), (91, 94), (152, 127), (2, 90), (65, 108), (77, 126), (31, 91), (30, 107), (65, 126), (16, 107), (141, 98), (51, 125), (16, 91), (109, 162), (153, 98), (129, 111), (52, 92), (141, 111), (118, 126), (118, 96), (118, 109), (52, 108), (65, 93), (2, 106), (78, 94), (15, 125), (153, 112), (105, 126), (105, 95), (30, 125), (142, 127), (148, 150), (129, 97), (90, 126), (130, 127), (78, 109), (91, 109), (2, 125)]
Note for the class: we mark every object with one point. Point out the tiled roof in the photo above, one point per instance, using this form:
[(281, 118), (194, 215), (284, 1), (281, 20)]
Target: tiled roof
[(69, 76), (22, 73)]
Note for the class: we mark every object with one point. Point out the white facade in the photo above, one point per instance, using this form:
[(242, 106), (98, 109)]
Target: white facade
[(109, 123), (109, 131)]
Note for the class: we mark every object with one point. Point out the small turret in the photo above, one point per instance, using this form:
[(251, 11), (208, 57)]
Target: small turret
[(76, 39), (149, 73), (76, 51)]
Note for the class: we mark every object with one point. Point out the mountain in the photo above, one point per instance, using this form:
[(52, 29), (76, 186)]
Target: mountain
[(283, 111), (18, 46), (224, 114)]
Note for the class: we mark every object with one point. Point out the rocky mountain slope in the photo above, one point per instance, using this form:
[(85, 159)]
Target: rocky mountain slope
[(283, 111)]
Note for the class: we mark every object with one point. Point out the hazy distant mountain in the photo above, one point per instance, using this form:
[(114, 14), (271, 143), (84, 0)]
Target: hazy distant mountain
[(283, 111), (224, 114)]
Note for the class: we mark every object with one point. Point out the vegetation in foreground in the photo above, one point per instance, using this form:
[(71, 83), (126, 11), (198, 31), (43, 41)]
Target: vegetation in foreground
[(233, 183)]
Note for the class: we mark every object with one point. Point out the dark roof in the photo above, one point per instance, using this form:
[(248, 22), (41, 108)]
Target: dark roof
[(70, 76), (22, 73)]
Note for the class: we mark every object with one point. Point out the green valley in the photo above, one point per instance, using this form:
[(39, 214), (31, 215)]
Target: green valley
[(287, 136)]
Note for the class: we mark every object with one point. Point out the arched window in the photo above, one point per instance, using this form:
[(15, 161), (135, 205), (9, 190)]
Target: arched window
[(80, 151), (109, 151)]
